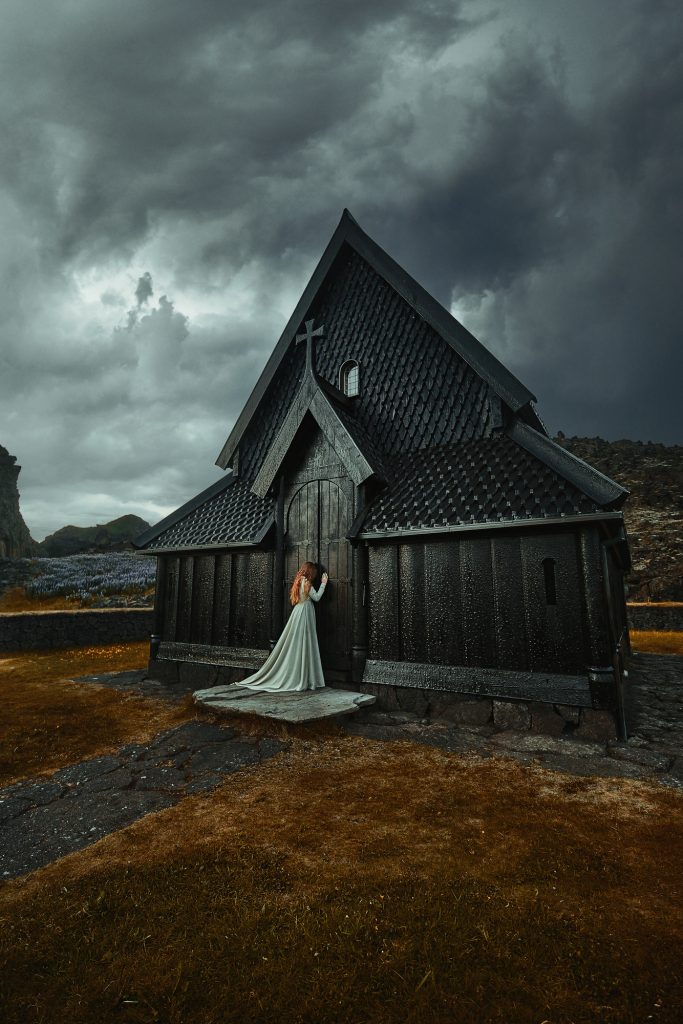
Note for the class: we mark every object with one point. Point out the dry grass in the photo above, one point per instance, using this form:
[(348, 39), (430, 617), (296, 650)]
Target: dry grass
[(342, 881), (654, 604), (348, 881), (47, 722), (656, 641), (17, 600)]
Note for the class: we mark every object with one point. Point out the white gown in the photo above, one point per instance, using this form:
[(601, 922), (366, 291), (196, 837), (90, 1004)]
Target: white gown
[(294, 663)]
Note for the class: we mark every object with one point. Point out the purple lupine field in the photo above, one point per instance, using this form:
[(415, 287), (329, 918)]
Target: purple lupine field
[(100, 580)]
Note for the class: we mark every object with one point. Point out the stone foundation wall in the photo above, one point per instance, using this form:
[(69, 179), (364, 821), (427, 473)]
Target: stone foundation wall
[(661, 617), (22, 631), (518, 715), (499, 715)]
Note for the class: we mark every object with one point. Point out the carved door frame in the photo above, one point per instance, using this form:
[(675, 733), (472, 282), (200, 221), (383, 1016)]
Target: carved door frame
[(317, 516)]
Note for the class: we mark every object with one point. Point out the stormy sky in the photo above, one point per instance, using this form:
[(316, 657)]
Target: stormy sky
[(171, 172)]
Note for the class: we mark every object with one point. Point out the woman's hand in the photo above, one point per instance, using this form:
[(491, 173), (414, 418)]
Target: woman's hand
[(325, 577)]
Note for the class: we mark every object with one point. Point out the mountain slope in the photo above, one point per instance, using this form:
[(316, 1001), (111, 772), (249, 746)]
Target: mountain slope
[(653, 513), (113, 536)]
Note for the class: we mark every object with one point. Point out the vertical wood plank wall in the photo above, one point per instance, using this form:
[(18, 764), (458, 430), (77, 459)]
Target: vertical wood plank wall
[(482, 601), (222, 598), (477, 601)]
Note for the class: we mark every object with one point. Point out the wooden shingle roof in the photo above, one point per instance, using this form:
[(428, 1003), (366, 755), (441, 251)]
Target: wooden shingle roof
[(440, 421), (226, 514), (396, 320), (492, 481)]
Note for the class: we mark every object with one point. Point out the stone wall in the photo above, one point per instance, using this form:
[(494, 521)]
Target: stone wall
[(20, 631), (661, 617), (519, 715)]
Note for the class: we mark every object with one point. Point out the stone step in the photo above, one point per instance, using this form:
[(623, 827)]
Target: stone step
[(295, 706)]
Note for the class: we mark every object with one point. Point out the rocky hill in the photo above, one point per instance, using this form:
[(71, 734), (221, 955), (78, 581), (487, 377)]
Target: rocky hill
[(653, 513), (15, 540), (75, 540)]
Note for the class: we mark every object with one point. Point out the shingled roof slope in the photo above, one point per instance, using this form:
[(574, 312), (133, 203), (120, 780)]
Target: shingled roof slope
[(493, 480), (395, 294), (232, 516)]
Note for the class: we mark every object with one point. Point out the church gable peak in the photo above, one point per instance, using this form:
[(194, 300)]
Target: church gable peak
[(341, 432), (425, 379)]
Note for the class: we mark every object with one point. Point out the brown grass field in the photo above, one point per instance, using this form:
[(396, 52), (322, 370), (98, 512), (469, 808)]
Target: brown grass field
[(347, 880), (656, 641), (16, 599), (47, 722)]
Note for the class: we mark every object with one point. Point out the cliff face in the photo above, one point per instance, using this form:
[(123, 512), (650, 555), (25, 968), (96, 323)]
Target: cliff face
[(15, 540), (653, 513)]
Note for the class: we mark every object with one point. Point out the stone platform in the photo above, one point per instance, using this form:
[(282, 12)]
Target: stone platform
[(302, 706)]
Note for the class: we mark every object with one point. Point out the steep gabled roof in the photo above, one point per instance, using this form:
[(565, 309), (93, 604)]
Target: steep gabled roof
[(515, 395)]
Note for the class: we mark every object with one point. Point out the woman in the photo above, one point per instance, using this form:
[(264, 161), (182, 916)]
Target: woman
[(294, 662)]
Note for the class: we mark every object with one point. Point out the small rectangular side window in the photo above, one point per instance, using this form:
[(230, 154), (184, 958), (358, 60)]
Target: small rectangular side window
[(549, 578)]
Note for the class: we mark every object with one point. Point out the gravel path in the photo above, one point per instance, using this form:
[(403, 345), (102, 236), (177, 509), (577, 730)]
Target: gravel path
[(43, 819)]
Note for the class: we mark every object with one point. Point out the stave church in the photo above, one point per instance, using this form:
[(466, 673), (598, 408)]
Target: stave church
[(471, 558)]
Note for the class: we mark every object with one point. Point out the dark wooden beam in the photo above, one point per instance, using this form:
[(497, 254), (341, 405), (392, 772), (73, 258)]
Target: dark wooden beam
[(345, 445), (591, 481), (283, 440), (208, 654), (483, 682)]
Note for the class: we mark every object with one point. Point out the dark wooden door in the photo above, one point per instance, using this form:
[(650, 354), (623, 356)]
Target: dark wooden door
[(316, 524)]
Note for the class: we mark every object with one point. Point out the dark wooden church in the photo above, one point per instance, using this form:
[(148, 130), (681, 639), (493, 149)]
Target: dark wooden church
[(468, 553)]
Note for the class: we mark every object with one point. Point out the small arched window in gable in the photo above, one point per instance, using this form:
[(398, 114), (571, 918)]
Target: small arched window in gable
[(349, 378), (549, 574)]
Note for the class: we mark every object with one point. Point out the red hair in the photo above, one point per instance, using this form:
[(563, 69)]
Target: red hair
[(307, 572)]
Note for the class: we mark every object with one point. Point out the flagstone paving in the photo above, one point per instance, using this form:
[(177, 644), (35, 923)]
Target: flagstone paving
[(296, 707)]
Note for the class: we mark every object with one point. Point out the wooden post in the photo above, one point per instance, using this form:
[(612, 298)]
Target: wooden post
[(359, 645), (158, 624), (279, 567), (359, 625), (159, 596)]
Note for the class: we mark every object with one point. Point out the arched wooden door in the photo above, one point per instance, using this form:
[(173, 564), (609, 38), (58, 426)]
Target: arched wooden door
[(316, 524)]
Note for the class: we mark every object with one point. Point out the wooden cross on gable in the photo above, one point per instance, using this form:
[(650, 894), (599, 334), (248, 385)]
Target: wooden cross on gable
[(308, 338)]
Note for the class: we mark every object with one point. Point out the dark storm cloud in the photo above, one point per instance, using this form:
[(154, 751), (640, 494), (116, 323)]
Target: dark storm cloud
[(591, 302), (520, 160), (169, 107), (144, 290)]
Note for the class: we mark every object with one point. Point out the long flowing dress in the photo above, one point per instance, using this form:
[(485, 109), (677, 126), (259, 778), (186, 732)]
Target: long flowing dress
[(294, 663)]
